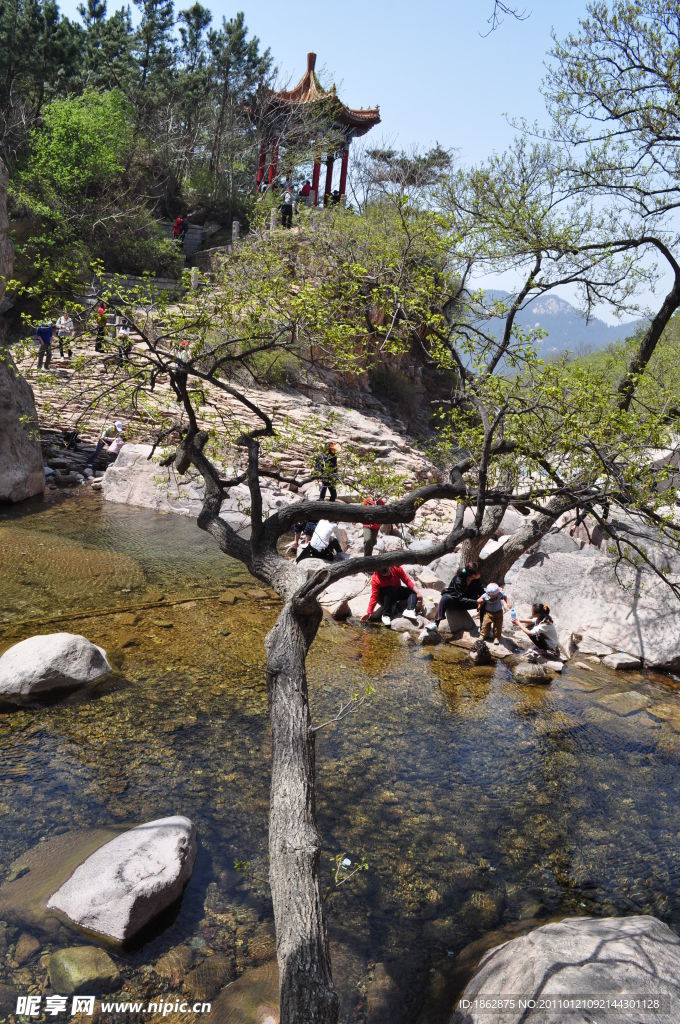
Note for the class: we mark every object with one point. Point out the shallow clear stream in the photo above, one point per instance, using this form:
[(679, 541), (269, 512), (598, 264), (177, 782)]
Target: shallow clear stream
[(476, 802)]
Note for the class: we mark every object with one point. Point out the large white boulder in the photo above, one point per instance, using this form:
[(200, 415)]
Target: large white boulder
[(343, 590), (131, 879), (54, 661), (135, 479), (636, 613), (601, 958)]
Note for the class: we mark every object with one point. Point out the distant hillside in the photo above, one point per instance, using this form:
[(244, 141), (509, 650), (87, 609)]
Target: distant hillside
[(567, 328)]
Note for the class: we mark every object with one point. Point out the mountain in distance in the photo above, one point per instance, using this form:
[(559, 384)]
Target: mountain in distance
[(568, 330)]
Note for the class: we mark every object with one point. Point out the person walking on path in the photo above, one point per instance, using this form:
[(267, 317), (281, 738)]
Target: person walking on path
[(371, 530), (462, 593), (112, 438), (64, 333), (326, 468), (389, 588), (490, 606), (102, 324), (287, 205), (43, 336), (123, 340), (540, 628), (179, 230), (324, 543)]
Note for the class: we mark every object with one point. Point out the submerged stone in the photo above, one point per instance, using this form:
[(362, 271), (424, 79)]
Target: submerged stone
[(82, 969), (628, 703), (669, 713), (528, 672), (26, 948)]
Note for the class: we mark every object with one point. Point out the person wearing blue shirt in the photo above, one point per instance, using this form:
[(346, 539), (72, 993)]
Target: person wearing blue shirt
[(43, 336)]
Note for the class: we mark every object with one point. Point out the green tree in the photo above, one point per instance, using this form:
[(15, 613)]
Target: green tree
[(79, 184), (239, 71), (155, 48), (107, 61), (612, 89), (39, 57)]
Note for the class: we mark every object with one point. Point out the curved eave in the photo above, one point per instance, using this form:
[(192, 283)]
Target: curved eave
[(358, 121)]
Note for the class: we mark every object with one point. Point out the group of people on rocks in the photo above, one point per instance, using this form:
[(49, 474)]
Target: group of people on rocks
[(465, 593), (44, 334), (393, 590)]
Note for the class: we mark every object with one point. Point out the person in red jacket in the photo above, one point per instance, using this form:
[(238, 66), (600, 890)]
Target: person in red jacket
[(387, 590)]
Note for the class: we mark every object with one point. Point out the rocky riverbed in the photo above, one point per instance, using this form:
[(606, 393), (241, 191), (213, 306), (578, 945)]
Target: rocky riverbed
[(480, 804)]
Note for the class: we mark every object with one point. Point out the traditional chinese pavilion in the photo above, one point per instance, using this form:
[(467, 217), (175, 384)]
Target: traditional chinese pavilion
[(323, 109)]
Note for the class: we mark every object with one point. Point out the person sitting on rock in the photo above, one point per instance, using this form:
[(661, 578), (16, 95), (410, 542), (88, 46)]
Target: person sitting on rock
[(541, 629), (462, 593), (490, 606), (112, 438), (324, 543), (301, 532), (389, 588)]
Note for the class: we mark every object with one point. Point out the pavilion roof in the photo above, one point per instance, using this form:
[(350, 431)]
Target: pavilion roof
[(310, 90)]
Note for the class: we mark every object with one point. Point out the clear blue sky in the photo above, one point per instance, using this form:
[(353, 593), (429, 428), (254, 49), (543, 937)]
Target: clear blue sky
[(426, 64)]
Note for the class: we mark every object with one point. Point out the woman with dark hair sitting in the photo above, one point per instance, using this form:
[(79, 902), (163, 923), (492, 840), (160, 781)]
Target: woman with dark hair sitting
[(540, 628), (461, 593)]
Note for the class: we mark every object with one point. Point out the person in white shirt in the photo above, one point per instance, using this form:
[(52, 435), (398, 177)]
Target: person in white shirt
[(541, 629), (64, 332), (325, 542), (123, 340)]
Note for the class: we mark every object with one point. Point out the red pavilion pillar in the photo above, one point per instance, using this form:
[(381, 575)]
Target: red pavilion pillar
[(275, 160), (260, 167), (329, 181), (343, 171), (316, 174)]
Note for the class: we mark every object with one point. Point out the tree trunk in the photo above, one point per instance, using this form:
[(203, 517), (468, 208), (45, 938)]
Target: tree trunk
[(497, 564), (305, 981), (472, 546)]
